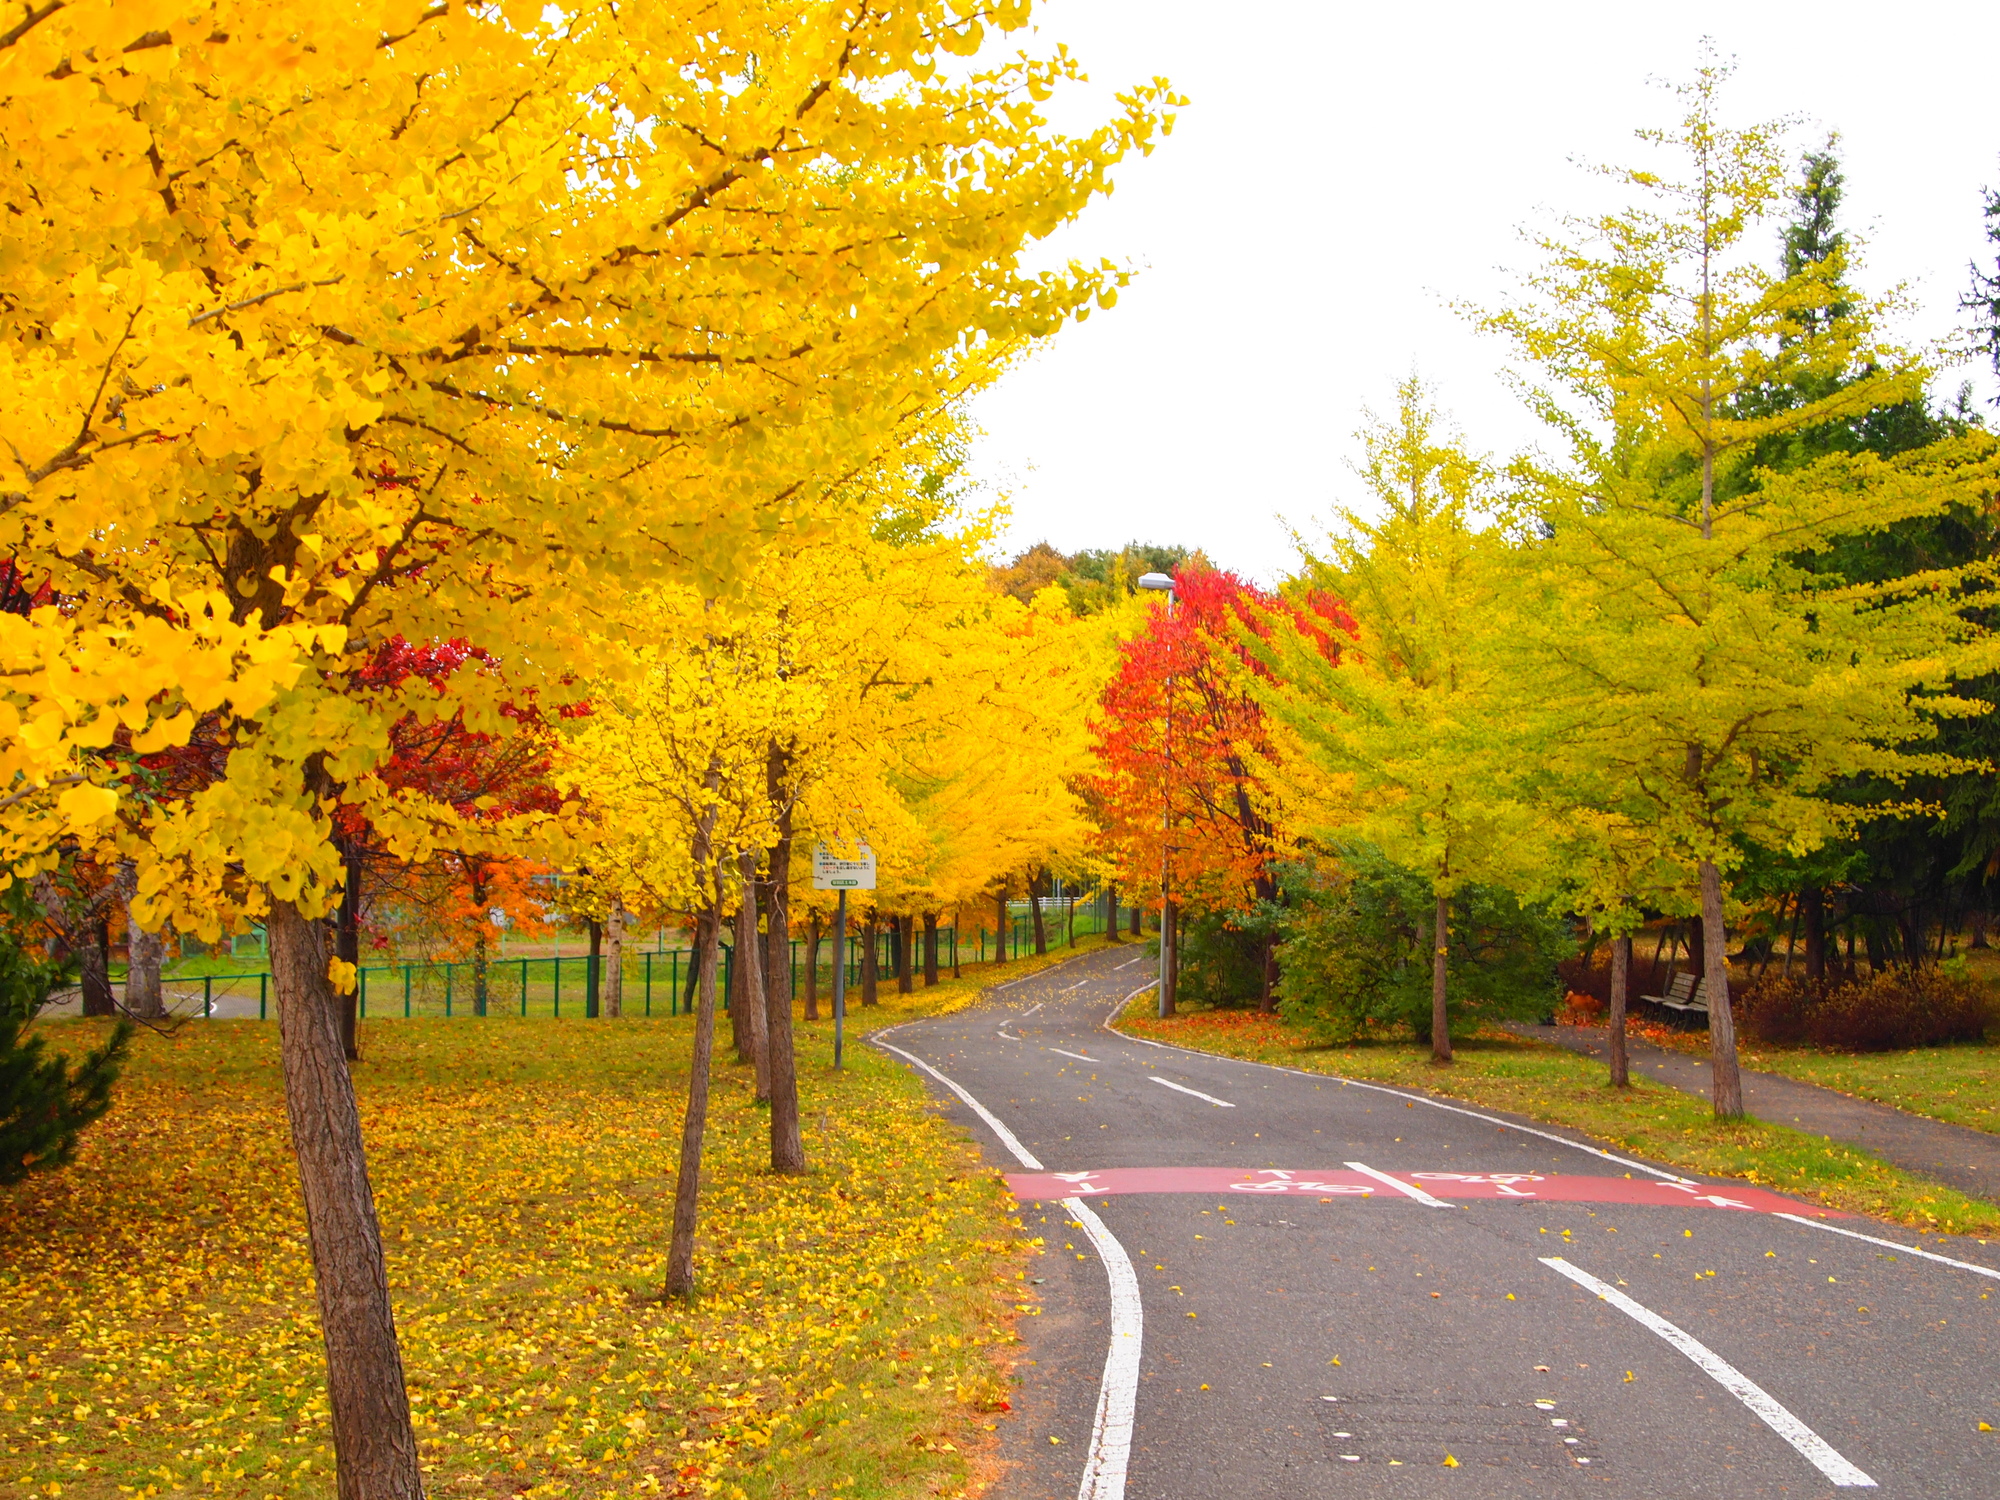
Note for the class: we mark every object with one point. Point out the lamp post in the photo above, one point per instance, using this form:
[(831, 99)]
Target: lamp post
[(1163, 582)]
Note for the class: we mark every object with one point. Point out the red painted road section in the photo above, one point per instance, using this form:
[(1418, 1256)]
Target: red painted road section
[(1508, 1187)]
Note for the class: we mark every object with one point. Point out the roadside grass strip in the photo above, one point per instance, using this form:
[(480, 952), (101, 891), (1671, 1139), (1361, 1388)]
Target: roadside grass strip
[(1542, 1082), (852, 1327), (1771, 1412)]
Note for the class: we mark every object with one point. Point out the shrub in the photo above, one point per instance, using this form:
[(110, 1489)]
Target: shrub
[(1355, 954), (1889, 1011), (1221, 958)]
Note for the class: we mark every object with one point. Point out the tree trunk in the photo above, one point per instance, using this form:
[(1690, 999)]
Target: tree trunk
[(1170, 958), (1975, 926), (1111, 910), (1000, 932), (1812, 909), (1267, 975), (687, 1183), (591, 968), (375, 1447), (1138, 927), (1621, 984), (479, 971), (750, 965), (1440, 957), (614, 961), (94, 961), (906, 966), (145, 956), (1035, 888), (957, 915), (930, 949), (1726, 1083), (1697, 946), (347, 947), (788, 1150), (870, 959), (1871, 935), (812, 966)]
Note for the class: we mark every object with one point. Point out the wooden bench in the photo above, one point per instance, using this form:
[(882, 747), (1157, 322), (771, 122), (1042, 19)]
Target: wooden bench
[(1685, 994)]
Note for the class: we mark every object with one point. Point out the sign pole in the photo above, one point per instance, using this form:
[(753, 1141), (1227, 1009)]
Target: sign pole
[(839, 975)]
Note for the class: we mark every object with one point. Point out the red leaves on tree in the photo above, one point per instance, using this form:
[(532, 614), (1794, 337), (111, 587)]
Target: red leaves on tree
[(1181, 737)]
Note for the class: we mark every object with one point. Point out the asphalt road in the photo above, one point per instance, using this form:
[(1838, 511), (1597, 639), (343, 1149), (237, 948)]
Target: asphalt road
[(1297, 1319)]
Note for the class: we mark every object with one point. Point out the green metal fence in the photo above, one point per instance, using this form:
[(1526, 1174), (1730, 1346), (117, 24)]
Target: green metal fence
[(657, 981)]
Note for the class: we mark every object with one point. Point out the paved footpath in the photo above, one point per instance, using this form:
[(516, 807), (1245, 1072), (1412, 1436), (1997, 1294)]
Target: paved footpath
[(1967, 1159), (1261, 1283)]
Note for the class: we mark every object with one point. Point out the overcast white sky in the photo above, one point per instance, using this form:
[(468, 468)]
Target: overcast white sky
[(1342, 169)]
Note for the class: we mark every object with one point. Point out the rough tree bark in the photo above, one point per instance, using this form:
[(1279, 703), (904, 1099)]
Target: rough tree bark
[(375, 1447), (614, 960), (593, 968), (1440, 957), (145, 956), (1036, 887), (788, 1150), (906, 931), (1812, 911), (1111, 913), (1138, 922), (1621, 984), (1000, 930), (812, 967), (687, 1183), (1726, 1083), (870, 963), (930, 949), (750, 969), (1170, 967), (94, 963), (347, 947)]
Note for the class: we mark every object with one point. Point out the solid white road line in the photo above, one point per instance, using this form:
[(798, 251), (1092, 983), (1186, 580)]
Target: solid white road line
[(1021, 1152), (1943, 1260), (1077, 1055), (1769, 1410), (1118, 1394), (1402, 1187), (1181, 1088)]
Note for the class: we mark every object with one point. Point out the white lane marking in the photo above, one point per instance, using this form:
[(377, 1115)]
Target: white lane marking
[(1032, 1009), (1077, 1055), (1021, 1153), (1943, 1260), (1402, 1187), (1470, 1114), (1769, 1410), (1182, 1088), (1077, 986), (1128, 964), (1118, 1395), (1010, 1036)]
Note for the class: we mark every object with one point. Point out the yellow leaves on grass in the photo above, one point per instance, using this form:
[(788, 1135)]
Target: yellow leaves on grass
[(156, 1310)]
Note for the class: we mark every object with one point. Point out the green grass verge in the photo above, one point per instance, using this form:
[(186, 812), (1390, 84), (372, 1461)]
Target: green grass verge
[(1548, 1083), (851, 1335)]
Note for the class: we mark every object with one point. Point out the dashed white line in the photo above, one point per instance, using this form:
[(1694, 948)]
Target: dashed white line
[(1769, 1409), (1010, 1036), (1182, 1088), (1077, 1055), (1128, 964), (1402, 1187), (1032, 1009)]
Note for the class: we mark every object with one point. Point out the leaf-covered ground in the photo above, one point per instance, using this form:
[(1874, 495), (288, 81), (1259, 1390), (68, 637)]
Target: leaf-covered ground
[(157, 1334), (1545, 1082)]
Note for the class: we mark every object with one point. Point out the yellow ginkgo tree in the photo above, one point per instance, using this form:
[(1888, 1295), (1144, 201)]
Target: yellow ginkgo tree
[(335, 326)]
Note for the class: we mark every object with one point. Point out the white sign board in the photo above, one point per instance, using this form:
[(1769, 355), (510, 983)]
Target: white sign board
[(831, 874)]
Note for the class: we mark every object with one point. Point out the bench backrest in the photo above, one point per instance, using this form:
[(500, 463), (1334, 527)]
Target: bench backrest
[(1681, 988)]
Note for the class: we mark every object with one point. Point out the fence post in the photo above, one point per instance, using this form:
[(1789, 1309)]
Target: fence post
[(674, 994), (557, 986), (406, 992), (263, 990), (524, 988), (208, 997), (448, 971), (648, 957), (361, 1002)]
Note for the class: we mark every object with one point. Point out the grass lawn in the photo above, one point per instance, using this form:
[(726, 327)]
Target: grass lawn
[(1545, 1082), (850, 1336)]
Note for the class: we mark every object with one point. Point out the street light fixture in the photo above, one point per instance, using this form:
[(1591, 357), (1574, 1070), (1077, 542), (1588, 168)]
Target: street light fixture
[(1164, 582)]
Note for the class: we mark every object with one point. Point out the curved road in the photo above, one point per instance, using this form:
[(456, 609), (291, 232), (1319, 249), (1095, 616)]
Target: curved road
[(1263, 1283)]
